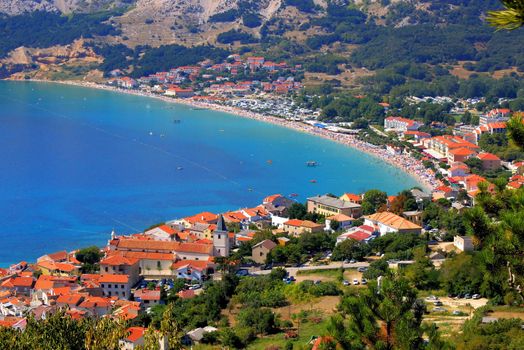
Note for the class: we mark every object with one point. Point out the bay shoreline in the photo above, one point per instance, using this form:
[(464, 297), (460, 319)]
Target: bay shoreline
[(406, 163)]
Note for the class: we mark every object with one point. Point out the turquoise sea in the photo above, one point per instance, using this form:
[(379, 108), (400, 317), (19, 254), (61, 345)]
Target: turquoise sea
[(76, 163)]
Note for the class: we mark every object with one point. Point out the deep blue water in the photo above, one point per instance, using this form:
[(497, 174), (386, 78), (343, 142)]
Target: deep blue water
[(76, 163)]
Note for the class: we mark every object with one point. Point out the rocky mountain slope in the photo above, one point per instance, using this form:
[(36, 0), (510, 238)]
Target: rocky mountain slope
[(16, 7)]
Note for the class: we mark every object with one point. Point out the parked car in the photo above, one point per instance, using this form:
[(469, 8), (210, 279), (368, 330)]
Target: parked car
[(362, 269), (352, 261), (195, 286), (242, 273), (438, 309), (364, 281), (345, 282), (438, 303), (476, 296), (467, 296), (355, 282), (432, 297), (317, 282)]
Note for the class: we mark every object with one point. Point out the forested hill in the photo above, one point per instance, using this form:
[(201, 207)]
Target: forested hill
[(328, 36)]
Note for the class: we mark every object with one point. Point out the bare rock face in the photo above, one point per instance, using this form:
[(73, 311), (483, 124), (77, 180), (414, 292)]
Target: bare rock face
[(16, 7), (74, 52)]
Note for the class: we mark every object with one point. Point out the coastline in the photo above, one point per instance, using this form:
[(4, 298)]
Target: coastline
[(407, 164)]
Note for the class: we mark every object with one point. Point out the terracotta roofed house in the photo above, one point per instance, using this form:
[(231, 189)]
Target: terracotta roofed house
[(401, 124), (260, 251), (115, 285), (326, 205), (351, 197), (297, 227), (117, 264), (387, 222), (460, 154), (489, 161), (134, 339)]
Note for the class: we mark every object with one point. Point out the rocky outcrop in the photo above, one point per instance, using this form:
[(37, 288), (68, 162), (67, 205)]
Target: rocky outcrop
[(15, 7)]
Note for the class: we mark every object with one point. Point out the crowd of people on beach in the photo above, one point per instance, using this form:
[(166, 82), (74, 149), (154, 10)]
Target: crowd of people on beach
[(404, 161)]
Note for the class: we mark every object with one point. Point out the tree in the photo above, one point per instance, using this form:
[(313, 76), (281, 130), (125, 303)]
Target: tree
[(170, 328), (90, 255), (350, 249), (516, 130), (392, 304), (373, 200), (104, 334), (511, 18), (261, 320), (297, 211)]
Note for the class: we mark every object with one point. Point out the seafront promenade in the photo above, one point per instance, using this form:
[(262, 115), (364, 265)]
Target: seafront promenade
[(404, 162)]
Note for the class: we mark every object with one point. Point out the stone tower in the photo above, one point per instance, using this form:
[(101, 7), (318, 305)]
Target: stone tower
[(221, 246)]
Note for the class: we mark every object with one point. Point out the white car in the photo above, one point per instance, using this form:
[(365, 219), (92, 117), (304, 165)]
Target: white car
[(355, 282), (363, 281), (345, 282)]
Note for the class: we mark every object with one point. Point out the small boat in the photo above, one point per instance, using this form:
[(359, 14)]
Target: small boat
[(179, 168), (293, 195), (250, 189), (269, 161), (311, 163), (176, 121), (150, 133), (313, 181)]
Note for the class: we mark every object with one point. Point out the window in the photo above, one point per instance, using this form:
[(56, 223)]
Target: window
[(122, 286), (219, 236), (106, 269), (102, 285), (124, 294), (108, 286)]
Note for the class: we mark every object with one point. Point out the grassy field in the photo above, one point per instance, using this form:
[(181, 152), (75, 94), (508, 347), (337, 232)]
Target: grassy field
[(313, 325), (329, 275)]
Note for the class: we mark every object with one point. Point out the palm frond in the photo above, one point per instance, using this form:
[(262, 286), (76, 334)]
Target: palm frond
[(511, 18)]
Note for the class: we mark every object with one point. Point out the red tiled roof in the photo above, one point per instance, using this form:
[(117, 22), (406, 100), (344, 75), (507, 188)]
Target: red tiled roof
[(135, 333), (147, 255), (195, 248), (56, 266), (117, 260), (204, 217), (186, 294), (146, 294), (146, 244), (57, 256), (293, 222), (359, 235), (95, 302), (70, 299), (110, 278), (270, 199), (194, 264), (487, 156), (23, 282)]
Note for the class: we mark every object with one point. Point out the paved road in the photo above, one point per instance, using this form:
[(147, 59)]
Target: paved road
[(378, 131), (334, 265)]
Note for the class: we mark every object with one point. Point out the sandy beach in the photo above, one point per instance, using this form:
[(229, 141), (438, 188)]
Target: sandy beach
[(405, 162)]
